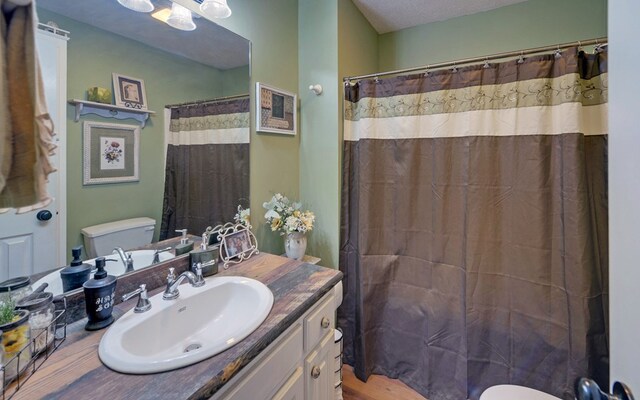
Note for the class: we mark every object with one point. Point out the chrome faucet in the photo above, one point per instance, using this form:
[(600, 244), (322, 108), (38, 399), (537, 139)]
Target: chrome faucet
[(196, 280), (156, 255), (122, 255), (143, 300)]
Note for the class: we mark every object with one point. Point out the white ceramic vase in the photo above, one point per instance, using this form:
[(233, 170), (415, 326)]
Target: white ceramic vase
[(295, 245)]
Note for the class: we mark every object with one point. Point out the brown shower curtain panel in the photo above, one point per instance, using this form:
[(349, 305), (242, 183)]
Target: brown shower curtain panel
[(207, 172), (474, 226)]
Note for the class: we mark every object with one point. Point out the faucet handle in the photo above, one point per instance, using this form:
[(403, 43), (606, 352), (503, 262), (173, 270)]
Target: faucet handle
[(172, 275), (143, 300), (197, 267), (129, 264)]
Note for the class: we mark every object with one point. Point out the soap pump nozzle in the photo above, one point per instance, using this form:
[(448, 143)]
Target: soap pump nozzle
[(183, 239), (75, 253), (205, 241), (101, 273)]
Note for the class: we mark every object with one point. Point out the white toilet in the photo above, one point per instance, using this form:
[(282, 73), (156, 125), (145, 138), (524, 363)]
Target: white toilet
[(100, 240), (514, 392)]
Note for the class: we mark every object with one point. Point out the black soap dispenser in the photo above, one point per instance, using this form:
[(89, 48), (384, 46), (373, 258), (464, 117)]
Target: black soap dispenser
[(74, 275), (99, 297)]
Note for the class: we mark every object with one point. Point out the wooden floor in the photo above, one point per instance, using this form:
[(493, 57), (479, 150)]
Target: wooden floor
[(377, 388)]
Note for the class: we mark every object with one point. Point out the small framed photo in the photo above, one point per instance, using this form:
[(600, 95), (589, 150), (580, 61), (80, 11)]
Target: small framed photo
[(129, 92), (276, 110), (237, 243), (110, 153)]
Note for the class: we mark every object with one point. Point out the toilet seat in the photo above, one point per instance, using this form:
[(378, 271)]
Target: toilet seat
[(514, 392)]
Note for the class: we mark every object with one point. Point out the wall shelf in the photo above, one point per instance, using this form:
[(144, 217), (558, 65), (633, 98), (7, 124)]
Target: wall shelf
[(109, 111)]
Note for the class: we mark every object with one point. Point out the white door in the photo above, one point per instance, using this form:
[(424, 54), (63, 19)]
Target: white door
[(28, 245), (624, 192)]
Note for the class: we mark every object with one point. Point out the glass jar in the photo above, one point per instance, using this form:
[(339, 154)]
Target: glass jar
[(15, 289), (41, 313), (16, 342)]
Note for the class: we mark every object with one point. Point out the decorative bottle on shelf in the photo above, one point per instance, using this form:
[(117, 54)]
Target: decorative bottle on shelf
[(99, 296)]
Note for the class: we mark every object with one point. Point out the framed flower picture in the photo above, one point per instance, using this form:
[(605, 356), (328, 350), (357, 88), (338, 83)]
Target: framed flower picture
[(110, 153), (129, 92)]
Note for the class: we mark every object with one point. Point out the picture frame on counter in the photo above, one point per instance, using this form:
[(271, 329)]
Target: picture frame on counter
[(237, 243), (276, 109), (110, 153)]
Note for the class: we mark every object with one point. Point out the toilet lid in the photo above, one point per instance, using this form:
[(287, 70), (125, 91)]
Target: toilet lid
[(511, 392)]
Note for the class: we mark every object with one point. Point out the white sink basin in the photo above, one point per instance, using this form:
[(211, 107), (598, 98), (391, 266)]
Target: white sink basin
[(141, 259), (201, 323)]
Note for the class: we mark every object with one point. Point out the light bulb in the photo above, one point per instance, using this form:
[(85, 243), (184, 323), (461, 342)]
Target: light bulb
[(144, 6), (180, 18), (215, 8)]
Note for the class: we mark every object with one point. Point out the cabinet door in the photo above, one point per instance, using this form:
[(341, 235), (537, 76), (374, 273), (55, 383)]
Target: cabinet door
[(318, 371), (293, 389)]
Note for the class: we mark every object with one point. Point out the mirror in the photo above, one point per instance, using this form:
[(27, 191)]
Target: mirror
[(176, 67)]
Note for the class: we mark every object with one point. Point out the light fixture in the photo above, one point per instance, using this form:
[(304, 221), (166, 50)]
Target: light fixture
[(180, 18), (162, 14), (137, 5), (215, 8)]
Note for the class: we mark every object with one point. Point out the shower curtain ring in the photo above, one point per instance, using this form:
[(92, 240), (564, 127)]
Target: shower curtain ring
[(558, 53)]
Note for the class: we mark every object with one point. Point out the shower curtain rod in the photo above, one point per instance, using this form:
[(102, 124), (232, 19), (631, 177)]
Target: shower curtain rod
[(237, 96), (598, 42)]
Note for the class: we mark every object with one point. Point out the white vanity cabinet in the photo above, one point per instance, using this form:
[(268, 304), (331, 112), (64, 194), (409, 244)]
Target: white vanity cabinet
[(298, 365)]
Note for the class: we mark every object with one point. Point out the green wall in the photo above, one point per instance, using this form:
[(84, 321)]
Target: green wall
[(272, 28), (93, 54), (524, 25), (318, 53), (334, 39), (235, 81)]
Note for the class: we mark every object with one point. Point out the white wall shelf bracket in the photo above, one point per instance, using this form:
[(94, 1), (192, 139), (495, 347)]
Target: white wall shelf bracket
[(84, 107)]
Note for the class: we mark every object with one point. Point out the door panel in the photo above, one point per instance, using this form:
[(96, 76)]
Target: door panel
[(16, 252), (27, 245)]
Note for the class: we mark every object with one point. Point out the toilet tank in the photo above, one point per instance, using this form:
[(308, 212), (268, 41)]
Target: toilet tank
[(100, 240)]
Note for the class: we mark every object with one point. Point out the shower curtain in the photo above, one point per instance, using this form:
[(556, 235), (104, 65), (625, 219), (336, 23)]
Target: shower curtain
[(474, 226), (207, 171)]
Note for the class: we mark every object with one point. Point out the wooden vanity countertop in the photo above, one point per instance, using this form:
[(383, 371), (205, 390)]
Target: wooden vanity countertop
[(74, 371)]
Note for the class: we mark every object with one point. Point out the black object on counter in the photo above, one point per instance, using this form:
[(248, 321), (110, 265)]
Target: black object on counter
[(208, 257), (99, 297), (75, 274)]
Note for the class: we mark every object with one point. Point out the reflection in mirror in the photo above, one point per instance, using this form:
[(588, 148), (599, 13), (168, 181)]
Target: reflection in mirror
[(196, 72)]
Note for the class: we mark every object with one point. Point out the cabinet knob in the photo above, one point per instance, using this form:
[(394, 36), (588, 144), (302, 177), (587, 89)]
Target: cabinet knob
[(315, 372), (325, 322)]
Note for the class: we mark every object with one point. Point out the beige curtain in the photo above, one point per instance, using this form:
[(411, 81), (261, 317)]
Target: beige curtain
[(474, 226), (26, 128)]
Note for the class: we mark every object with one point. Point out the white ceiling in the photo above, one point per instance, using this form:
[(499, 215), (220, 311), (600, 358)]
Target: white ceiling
[(209, 44), (392, 15)]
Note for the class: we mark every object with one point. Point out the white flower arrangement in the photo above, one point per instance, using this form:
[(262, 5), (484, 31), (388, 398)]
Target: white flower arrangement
[(285, 216), (243, 216)]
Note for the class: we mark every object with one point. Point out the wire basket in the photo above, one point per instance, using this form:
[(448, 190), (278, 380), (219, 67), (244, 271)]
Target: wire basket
[(23, 373)]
